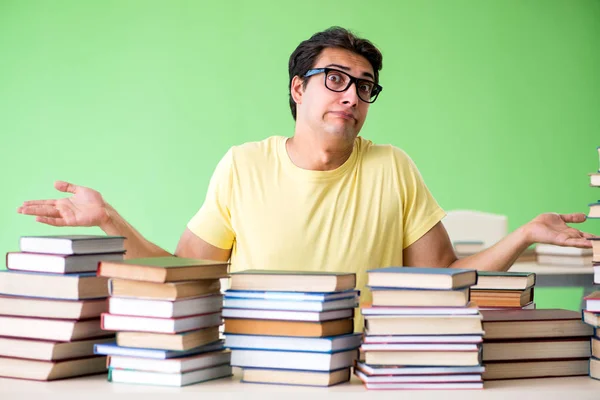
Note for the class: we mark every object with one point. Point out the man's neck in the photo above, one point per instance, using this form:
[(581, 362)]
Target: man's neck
[(313, 154)]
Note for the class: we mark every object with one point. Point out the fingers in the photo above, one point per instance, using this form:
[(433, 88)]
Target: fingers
[(65, 186), (51, 221), (38, 203), (578, 242), (573, 218), (40, 210)]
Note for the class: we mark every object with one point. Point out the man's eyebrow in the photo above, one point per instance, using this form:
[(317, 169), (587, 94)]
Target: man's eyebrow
[(344, 68)]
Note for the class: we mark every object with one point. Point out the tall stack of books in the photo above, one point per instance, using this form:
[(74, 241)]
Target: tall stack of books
[(166, 312), (534, 344), (50, 306), (421, 332), (503, 290), (293, 328), (548, 254)]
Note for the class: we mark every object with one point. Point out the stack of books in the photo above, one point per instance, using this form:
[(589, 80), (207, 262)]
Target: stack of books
[(293, 328), (50, 306), (534, 344), (167, 313), (548, 254), (421, 332), (465, 248), (503, 290)]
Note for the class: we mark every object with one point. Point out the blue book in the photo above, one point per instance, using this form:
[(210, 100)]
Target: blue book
[(112, 349), (422, 278), (330, 344), (291, 296)]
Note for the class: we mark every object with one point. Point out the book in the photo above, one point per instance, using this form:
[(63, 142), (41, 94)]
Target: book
[(591, 318), (595, 345), (165, 341), (43, 285), (540, 323), (296, 378), (368, 311), (111, 322), (57, 263), (534, 349), (47, 350), (288, 315), (165, 308), (468, 247), (163, 379), (421, 278), (424, 358), (294, 360), (502, 298), (503, 280), (424, 339), (291, 296), (293, 281), (50, 370), (529, 306), (595, 249), (72, 244), (433, 347), (163, 291), (436, 378), (596, 273), (60, 330), (528, 255), (163, 269), (551, 249), (423, 325), (592, 302), (594, 210), (595, 368), (400, 370), (319, 345), (289, 328), (171, 365), (422, 386), (112, 349), (576, 261), (535, 369), (595, 179), (50, 308), (419, 298), (290, 305)]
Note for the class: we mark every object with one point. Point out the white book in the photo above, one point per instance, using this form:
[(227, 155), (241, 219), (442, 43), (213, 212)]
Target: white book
[(418, 378), (296, 360), (290, 305), (399, 370), (112, 349), (58, 263), (288, 315), (418, 386), (162, 379), (419, 347), (597, 274), (295, 296), (320, 345), (419, 311), (72, 244), (551, 249), (424, 339), (60, 330), (165, 308), (173, 365), (112, 322)]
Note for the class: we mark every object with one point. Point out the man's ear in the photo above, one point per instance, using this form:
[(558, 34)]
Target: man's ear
[(297, 89)]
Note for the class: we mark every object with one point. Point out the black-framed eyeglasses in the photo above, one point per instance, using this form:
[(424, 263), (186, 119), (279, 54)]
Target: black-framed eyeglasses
[(340, 81)]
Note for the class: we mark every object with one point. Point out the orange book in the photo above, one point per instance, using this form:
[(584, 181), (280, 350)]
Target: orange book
[(289, 328)]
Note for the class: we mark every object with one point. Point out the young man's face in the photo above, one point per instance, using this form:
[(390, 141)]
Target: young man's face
[(339, 115)]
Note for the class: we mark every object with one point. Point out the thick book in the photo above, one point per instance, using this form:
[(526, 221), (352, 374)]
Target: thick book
[(594, 210), (592, 302), (290, 305), (58, 263), (421, 278), (289, 328), (165, 308), (595, 368), (536, 349), (595, 179), (60, 330), (503, 281), (44, 285), (541, 323), (112, 349), (290, 296), (502, 298), (295, 378), (495, 370), (437, 378), (318, 345), (163, 291), (111, 322), (172, 365), (167, 341), (420, 298), (423, 339), (424, 357), (47, 350), (368, 311), (288, 315), (163, 269), (50, 370), (423, 325), (293, 281), (591, 318), (294, 360), (50, 308), (163, 379), (400, 370), (72, 244), (574, 261)]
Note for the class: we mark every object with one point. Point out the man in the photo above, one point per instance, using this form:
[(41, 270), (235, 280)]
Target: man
[(324, 199)]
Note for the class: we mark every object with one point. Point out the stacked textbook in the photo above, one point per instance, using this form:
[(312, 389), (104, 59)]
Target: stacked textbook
[(549, 254), (50, 306), (503, 290), (421, 331), (167, 313), (293, 328)]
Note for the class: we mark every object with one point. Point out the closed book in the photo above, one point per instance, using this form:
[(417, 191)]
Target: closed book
[(420, 298), (551, 249), (536, 349), (54, 286), (595, 344), (595, 179), (296, 378), (319, 345), (51, 308), (421, 278), (503, 280), (419, 347), (425, 386), (417, 378), (293, 281), (163, 291), (50, 370), (595, 368), (165, 308), (290, 305), (163, 269), (423, 339), (424, 325), (591, 318), (171, 379), (502, 298), (60, 330), (289, 328), (72, 244), (529, 306), (112, 349), (535, 369), (541, 323), (592, 302), (295, 360), (288, 315), (47, 350), (594, 210), (399, 370), (58, 263), (424, 358), (369, 311), (168, 341), (595, 249), (290, 296), (574, 261), (111, 322), (172, 365)]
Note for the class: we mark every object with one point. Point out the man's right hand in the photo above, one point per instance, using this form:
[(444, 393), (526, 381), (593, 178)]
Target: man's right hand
[(85, 208)]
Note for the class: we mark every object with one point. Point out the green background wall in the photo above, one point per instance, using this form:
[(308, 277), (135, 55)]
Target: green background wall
[(497, 101)]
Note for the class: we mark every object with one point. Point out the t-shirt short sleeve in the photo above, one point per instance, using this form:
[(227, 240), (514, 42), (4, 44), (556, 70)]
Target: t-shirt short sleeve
[(212, 222)]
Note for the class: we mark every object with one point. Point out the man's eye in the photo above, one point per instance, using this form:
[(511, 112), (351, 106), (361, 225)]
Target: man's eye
[(336, 78), (366, 88)]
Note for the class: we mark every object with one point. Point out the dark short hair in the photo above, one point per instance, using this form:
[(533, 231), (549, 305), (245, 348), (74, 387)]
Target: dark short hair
[(307, 52)]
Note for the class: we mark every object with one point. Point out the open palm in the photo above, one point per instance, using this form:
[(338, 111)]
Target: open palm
[(552, 228)]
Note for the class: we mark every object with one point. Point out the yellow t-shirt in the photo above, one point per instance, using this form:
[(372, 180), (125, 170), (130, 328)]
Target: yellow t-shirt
[(275, 215)]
